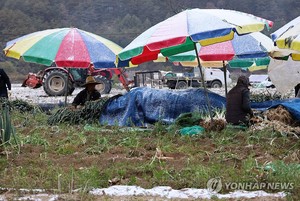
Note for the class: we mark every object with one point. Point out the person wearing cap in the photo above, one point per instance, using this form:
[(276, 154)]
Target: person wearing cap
[(88, 94), (4, 84), (238, 108)]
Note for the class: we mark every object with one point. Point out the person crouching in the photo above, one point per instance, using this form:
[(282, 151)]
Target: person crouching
[(88, 94), (238, 110)]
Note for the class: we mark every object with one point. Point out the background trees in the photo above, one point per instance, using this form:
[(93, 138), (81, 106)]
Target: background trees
[(118, 20)]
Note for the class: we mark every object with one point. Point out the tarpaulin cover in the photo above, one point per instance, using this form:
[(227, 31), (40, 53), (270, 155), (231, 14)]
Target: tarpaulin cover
[(142, 106), (292, 105)]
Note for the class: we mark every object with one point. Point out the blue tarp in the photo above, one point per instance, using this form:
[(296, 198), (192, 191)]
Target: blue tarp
[(145, 105), (142, 106)]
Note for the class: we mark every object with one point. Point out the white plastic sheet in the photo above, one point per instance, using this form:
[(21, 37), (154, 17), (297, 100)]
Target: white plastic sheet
[(285, 75)]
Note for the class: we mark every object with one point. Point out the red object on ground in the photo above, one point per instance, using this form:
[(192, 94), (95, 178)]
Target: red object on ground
[(33, 81)]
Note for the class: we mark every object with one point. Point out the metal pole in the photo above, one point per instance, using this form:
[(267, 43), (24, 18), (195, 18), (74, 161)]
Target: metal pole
[(66, 88), (225, 77), (204, 84)]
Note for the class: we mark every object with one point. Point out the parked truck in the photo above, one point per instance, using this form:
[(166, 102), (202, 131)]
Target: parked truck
[(214, 78)]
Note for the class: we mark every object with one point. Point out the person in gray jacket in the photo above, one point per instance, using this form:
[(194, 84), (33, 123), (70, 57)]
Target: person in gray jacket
[(238, 110)]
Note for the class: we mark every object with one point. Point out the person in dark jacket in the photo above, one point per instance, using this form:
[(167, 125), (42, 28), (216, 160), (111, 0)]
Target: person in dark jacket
[(297, 91), (4, 84), (87, 94), (238, 108)]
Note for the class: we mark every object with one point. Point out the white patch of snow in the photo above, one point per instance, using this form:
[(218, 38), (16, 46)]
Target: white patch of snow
[(168, 192)]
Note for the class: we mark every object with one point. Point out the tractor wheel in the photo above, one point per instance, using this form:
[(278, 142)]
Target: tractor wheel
[(181, 85), (54, 83), (105, 85)]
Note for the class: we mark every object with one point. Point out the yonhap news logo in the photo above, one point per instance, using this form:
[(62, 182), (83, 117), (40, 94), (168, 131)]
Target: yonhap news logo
[(215, 185)]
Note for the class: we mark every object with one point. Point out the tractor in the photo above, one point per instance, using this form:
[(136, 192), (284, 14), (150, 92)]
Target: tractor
[(55, 79)]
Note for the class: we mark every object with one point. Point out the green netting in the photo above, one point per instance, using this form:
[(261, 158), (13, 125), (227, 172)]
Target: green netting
[(193, 130)]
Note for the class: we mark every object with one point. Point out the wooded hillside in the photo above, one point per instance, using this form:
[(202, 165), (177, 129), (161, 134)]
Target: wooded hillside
[(117, 20)]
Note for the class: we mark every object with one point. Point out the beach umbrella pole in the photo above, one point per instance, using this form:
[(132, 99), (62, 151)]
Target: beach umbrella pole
[(204, 84), (225, 77), (66, 88)]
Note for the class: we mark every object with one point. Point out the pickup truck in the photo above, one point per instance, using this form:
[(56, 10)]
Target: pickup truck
[(213, 77)]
